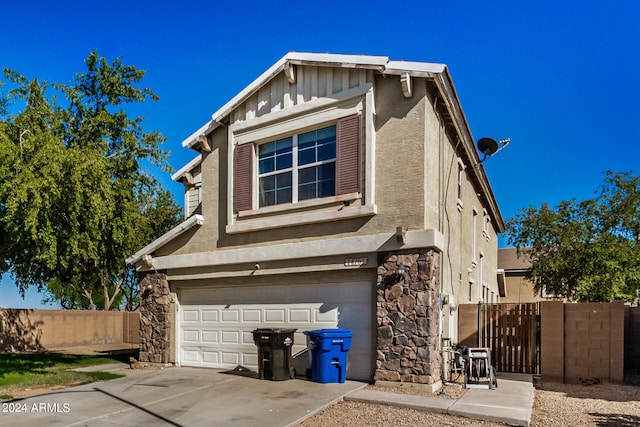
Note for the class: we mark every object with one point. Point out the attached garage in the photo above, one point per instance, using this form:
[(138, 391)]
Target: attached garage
[(215, 323)]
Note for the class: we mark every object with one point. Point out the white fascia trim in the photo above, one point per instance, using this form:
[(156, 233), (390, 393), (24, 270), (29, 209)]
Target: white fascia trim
[(430, 238), (187, 168), (166, 238), (448, 91), (416, 69), (329, 59), (204, 130)]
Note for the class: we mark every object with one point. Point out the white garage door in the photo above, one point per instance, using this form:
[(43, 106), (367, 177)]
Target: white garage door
[(216, 324)]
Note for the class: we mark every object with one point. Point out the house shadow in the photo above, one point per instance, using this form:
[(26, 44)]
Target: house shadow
[(242, 371), (615, 420), (300, 363)]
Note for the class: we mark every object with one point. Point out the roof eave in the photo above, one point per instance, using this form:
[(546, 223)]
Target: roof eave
[(187, 168), (165, 238), (446, 87)]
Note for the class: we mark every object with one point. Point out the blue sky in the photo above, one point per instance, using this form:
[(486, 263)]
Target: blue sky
[(559, 78)]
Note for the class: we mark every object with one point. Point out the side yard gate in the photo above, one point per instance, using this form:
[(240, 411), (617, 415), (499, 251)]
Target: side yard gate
[(510, 330)]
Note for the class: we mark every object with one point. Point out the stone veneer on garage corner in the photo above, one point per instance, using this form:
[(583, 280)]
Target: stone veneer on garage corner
[(407, 315), (155, 319)]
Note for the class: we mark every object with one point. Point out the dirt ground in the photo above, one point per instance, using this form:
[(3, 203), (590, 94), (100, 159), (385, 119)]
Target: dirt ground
[(555, 405)]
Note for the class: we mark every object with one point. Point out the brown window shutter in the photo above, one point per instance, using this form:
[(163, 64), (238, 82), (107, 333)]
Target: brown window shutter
[(243, 178), (348, 155)]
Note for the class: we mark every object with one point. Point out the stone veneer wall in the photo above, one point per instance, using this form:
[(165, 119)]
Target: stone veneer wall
[(408, 315), (155, 319)]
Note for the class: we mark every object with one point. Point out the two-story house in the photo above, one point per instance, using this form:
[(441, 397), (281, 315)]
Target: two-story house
[(333, 191)]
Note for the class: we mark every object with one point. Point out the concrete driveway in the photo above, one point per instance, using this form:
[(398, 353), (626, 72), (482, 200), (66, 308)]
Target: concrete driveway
[(177, 397)]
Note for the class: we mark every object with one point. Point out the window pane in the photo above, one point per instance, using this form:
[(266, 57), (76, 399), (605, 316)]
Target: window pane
[(267, 198), (283, 180), (284, 145), (306, 156), (327, 171), (306, 140), (275, 189), (327, 151), (307, 175), (267, 165), (327, 135), (267, 149), (327, 188), (307, 191), (284, 161), (283, 196), (267, 183)]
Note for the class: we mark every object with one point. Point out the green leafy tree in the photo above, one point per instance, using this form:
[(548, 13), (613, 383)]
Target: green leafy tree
[(587, 251), (74, 198)]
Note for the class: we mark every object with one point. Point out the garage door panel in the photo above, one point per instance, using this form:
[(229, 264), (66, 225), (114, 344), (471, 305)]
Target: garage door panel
[(230, 316), (189, 315), (300, 315), (209, 315), (190, 336), (251, 315), (322, 315), (275, 315), (230, 337), (210, 337), (212, 357), (217, 324)]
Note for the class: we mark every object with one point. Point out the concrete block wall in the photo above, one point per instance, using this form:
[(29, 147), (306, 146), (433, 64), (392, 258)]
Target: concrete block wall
[(578, 342), (594, 342), (27, 330)]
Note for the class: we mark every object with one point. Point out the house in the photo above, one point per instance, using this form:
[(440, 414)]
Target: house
[(517, 287), (333, 191)]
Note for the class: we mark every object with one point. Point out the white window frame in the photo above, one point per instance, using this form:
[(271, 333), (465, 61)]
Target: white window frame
[(486, 220), (294, 169), (460, 179), (474, 236), (297, 120)]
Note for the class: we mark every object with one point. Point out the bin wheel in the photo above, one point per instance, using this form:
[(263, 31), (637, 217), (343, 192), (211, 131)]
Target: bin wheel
[(308, 374)]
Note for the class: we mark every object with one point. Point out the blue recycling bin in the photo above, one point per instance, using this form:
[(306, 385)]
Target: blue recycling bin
[(328, 349)]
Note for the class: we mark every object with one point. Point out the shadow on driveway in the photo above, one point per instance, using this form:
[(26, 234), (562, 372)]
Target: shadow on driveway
[(179, 397)]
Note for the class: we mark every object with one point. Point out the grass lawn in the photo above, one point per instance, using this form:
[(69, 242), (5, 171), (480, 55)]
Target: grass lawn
[(43, 370)]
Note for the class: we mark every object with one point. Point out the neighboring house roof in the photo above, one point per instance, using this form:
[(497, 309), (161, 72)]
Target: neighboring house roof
[(510, 262)]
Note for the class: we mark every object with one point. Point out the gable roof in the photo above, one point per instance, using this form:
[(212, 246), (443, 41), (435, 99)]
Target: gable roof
[(381, 64), (438, 73)]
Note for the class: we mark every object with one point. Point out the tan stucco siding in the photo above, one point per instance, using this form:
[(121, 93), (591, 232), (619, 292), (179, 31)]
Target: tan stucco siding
[(400, 138)]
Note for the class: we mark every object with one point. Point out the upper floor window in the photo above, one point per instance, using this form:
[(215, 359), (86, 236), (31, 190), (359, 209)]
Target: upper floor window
[(318, 164), (298, 167)]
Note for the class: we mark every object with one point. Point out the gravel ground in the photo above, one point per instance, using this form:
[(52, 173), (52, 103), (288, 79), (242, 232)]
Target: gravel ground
[(555, 405)]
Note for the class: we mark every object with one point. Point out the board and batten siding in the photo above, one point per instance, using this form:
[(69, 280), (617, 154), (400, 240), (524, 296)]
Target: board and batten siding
[(193, 193), (310, 83)]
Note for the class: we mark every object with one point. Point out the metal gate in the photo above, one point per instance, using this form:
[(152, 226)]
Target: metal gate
[(512, 331)]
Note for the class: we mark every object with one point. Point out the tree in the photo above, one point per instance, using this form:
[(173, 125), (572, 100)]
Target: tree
[(74, 198), (587, 251)]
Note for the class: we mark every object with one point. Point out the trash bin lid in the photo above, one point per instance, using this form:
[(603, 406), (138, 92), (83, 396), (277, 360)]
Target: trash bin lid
[(330, 332), (274, 331)]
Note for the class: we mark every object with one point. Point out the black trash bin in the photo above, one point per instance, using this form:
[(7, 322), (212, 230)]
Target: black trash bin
[(274, 353)]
